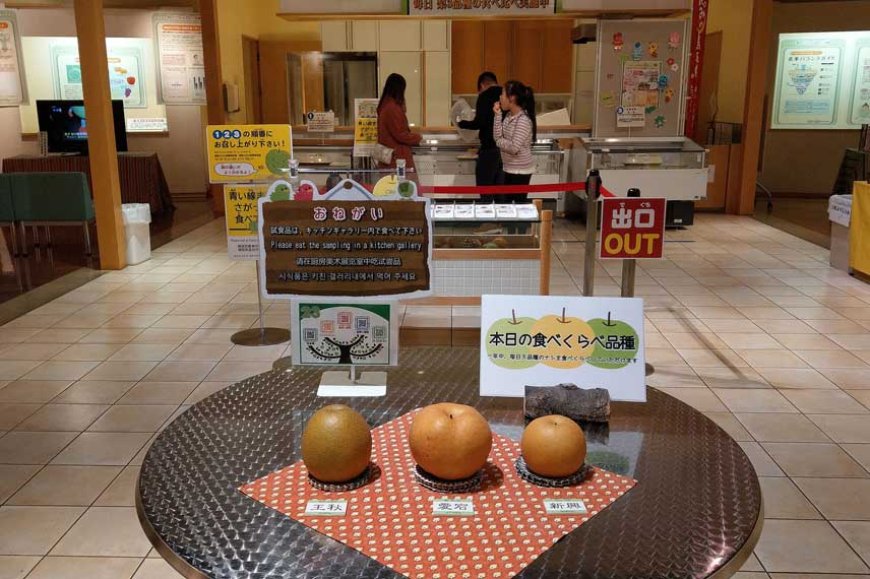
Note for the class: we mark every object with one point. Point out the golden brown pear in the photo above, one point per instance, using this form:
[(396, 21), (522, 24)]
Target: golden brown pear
[(554, 446), (450, 441), (336, 444)]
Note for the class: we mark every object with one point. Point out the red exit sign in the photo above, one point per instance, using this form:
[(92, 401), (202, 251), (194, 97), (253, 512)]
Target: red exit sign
[(632, 228)]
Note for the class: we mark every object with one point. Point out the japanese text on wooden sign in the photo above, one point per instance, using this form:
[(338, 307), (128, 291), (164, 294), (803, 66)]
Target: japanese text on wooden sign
[(346, 248), (632, 228), (246, 153), (240, 202)]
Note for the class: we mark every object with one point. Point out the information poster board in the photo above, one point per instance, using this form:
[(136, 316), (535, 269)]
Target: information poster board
[(126, 72), (180, 64), (242, 210), (548, 340), (808, 81), (365, 134), (822, 81), (346, 248), (640, 83), (11, 76), (335, 334), (248, 153)]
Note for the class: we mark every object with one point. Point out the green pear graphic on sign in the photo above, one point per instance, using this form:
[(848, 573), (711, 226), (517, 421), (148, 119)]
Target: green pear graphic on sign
[(503, 342), (616, 343)]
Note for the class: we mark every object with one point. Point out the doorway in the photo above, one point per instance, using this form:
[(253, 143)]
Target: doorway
[(253, 96)]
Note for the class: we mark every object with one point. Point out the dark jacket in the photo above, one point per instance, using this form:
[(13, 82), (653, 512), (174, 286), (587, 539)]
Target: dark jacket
[(483, 117), (394, 132)]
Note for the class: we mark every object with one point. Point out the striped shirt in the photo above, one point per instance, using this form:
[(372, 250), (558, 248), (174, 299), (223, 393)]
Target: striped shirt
[(513, 135)]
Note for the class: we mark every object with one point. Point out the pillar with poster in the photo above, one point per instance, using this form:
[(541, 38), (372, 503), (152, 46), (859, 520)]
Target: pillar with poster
[(343, 258)]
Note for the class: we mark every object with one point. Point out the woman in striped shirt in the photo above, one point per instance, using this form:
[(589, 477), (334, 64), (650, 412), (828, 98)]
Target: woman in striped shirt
[(514, 134)]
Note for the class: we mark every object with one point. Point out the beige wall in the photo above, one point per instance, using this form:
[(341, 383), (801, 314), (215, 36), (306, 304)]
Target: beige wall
[(733, 19), (798, 161), (255, 19), (180, 152)]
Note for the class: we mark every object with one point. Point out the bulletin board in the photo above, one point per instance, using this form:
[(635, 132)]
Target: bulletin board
[(822, 81), (640, 85), (52, 72)]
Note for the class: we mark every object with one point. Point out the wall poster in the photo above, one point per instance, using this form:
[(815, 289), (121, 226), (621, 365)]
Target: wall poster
[(640, 84), (822, 81), (11, 76), (180, 65), (861, 93), (808, 79), (126, 71)]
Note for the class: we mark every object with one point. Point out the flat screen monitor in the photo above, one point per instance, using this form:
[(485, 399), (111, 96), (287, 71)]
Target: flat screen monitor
[(66, 124)]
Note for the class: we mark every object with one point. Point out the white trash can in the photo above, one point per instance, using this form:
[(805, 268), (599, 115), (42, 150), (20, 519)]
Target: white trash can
[(137, 217)]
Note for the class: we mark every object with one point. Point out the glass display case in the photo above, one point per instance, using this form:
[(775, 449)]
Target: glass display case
[(447, 161), (674, 168), (478, 225)]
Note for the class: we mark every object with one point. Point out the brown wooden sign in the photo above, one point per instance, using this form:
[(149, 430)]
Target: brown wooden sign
[(346, 248)]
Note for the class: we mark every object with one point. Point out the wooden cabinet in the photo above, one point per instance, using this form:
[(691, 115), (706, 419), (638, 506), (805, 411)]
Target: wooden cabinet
[(436, 36), (537, 52), (400, 35), (497, 48), (466, 57), (558, 53), (437, 103), (527, 54)]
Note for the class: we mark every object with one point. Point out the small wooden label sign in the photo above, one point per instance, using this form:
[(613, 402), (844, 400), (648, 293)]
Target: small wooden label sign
[(346, 248)]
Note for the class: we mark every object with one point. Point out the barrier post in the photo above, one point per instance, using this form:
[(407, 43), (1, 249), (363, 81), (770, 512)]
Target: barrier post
[(593, 190), (629, 266)]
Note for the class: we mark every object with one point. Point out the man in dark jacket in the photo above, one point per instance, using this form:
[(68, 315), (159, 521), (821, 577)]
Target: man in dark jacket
[(488, 170)]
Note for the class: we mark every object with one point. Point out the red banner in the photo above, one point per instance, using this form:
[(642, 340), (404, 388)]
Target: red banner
[(696, 64)]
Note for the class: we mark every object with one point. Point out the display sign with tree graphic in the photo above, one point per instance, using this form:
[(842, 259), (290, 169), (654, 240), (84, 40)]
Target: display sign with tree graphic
[(345, 334)]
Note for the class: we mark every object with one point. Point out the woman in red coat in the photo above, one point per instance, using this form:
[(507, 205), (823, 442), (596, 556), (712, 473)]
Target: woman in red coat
[(393, 129)]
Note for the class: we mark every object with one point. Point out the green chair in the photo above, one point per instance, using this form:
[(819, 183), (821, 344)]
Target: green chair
[(7, 214), (52, 199)]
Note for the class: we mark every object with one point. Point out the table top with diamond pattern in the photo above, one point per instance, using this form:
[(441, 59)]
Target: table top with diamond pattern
[(696, 508)]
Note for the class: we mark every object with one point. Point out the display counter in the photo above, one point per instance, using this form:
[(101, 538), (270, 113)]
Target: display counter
[(673, 168), (444, 159), (483, 248)]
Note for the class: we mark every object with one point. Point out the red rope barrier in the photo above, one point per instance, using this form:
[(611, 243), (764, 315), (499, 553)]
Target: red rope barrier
[(508, 189)]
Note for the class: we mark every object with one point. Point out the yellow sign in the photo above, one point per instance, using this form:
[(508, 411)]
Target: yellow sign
[(365, 134), (859, 229), (242, 216), (245, 153)]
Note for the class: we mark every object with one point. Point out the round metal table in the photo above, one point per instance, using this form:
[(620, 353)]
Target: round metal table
[(696, 511)]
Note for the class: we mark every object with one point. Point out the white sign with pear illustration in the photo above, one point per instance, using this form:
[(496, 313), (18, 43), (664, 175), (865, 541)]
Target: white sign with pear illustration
[(548, 340)]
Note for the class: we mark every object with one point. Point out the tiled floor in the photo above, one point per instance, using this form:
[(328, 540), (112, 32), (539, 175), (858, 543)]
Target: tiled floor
[(744, 322)]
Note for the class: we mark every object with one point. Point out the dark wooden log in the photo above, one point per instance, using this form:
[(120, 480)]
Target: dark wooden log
[(592, 405)]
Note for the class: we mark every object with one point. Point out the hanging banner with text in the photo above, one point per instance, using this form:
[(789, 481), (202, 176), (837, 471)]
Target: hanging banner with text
[(547, 341), (180, 63), (241, 203), (365, 132), (346, 248), (11, 77), (455, 8), (248, 153), (632, 228)]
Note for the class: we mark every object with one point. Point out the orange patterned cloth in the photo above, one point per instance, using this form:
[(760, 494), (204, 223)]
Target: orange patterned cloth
[(391, 519)]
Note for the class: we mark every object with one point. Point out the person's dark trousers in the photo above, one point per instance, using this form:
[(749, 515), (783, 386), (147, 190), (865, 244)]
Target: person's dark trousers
[(487, 172), (515, 179)]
